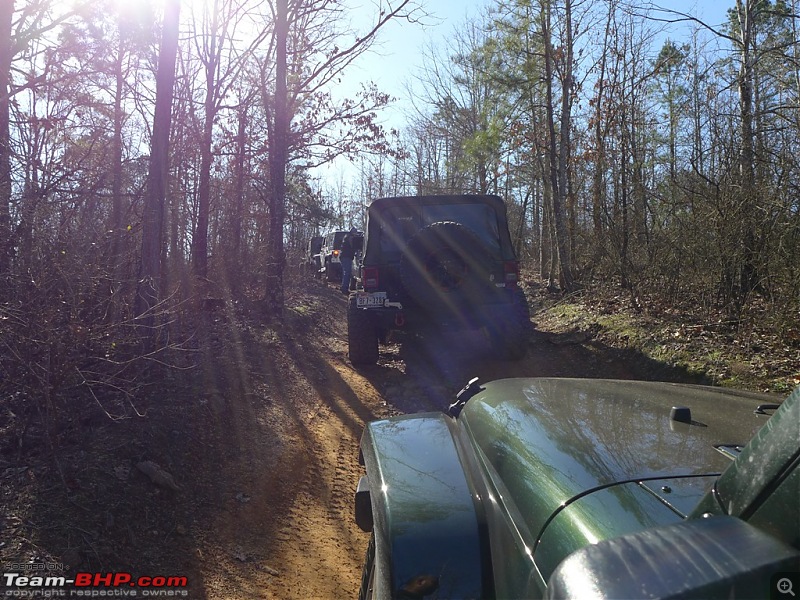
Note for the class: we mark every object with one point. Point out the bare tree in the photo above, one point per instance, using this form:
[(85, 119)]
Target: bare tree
[(747, 172), (467, 117), (319, 54), (6, 52), (278, 155), (148, 294), (559, 143), (601, 121), (222, 64)]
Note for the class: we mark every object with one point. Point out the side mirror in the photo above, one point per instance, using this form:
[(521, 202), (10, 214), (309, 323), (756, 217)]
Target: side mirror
[(716, 557)]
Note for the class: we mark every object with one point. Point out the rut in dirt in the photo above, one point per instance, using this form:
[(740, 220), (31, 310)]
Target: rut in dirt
[(296, 408), (295, 412)]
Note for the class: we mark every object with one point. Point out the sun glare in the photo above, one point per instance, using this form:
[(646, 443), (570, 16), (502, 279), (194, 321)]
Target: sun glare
[(143, 12)]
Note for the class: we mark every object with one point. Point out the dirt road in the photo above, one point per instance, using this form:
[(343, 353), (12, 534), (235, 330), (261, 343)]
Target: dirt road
[(261, 436), (287, 530)]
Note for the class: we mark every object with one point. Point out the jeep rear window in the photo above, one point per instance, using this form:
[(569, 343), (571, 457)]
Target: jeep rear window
[(337, 239), (401, 226)]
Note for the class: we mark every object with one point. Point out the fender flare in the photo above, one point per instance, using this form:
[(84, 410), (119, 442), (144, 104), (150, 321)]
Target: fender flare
[(425, 515)]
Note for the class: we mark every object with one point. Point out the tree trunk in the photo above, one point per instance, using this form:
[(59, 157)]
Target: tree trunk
[(749, 271), (559, 152), (536, 222), (118, 232), (601, 127), (148, 293), (278, 152), (236, 258), (200, 237), (519, 237), (6, 15), (623, 174)]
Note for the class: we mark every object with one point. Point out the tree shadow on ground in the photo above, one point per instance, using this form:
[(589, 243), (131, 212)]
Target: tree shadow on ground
[(425, 372), (83, 505)]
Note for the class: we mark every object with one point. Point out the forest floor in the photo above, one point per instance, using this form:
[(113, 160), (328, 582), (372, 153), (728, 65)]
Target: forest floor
[(240, 473)]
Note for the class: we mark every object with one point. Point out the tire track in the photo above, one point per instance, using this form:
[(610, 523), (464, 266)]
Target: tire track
[(317, 547)]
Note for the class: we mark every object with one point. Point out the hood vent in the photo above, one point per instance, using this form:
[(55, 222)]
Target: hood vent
[(729, 450)]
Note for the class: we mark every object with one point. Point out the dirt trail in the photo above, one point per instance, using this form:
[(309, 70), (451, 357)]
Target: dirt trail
[(294, 411), (262, 438), (287, 528)]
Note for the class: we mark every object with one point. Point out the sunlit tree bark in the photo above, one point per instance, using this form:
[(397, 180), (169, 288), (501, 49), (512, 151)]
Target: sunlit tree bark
[(6, 15), (150, 272)]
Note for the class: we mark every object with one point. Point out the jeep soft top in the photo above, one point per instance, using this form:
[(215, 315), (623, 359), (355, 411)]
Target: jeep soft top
[(392, 222)]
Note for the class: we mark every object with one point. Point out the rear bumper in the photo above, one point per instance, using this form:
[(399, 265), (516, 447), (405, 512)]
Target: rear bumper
[(409, 315)]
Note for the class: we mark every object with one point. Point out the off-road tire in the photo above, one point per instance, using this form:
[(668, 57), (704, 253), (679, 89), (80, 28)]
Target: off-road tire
[(330, 274), (444, 264), (510, 332), (362, 336)]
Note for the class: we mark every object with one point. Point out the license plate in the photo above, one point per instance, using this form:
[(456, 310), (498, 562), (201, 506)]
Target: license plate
[(368, 300)]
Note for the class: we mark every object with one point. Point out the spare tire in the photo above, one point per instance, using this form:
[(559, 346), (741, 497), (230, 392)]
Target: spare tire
[(445, 265)]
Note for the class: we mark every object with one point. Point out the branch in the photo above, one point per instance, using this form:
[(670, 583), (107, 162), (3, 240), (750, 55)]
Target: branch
[(676, 16), (360, 44), (22, 40)]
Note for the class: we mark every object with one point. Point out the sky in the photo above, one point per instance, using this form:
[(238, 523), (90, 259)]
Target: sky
[(403, 46), (402, 49)]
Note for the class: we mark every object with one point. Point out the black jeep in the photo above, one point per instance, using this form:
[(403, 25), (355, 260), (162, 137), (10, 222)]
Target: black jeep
[(442, 261), (331, 267)]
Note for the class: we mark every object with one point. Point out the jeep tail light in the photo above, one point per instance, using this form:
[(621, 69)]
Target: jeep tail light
[(336, 253), (370, 278), (511, 273)]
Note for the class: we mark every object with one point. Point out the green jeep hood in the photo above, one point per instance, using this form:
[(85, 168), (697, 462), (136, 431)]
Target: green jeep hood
[(571, 462)]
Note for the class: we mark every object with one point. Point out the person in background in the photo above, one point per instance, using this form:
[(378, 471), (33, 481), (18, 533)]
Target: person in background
[(346, 256)]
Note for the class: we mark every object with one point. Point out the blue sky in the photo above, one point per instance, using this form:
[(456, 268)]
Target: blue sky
[(401, 49)]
